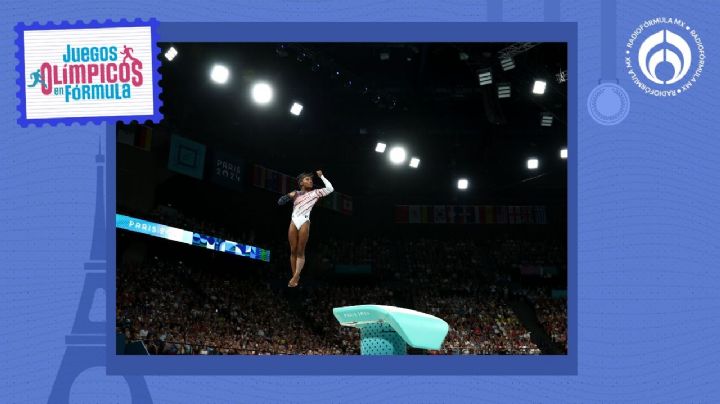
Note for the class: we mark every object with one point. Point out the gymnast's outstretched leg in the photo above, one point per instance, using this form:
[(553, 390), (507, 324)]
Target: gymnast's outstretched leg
[(303, 236), (293, 239)]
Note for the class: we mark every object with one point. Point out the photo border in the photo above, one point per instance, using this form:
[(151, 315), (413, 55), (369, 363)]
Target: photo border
[(356, 364)]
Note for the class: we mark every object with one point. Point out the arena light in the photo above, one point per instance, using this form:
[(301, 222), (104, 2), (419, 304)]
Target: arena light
[(503, 90), (262, 93), (462, 183), (563, 153), (296, 109), (414, 162), (507, 64), (533, 163), (485, 76), (547, 119), (539, 87), (380, 147), (397, 155), (170, 54), (220, 74)]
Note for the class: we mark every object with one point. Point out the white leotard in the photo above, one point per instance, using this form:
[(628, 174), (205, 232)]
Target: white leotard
[(304, 202)]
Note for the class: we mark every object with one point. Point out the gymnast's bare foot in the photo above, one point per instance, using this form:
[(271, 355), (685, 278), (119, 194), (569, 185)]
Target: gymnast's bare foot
[(294, 281)]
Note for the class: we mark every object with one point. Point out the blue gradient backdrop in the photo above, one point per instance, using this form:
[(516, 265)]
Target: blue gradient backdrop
[(649, 214)]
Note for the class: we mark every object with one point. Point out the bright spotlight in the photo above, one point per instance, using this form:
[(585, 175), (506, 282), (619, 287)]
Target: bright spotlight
[(296, 109), (397, 155), (539, 87), (220, 74), (532, 164), (170, 54), (380, 148), (414, 162), (262, 93), (462, 183), (563, 153)]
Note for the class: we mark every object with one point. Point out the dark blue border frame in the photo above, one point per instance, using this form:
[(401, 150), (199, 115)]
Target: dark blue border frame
[(20, 29), (361, 365)]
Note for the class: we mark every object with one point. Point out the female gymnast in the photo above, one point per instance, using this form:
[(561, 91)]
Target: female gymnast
[(303, 202)]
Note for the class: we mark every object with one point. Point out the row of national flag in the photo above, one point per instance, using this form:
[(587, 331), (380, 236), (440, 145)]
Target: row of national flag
[(472, 214), (139, 136), (281, 183)]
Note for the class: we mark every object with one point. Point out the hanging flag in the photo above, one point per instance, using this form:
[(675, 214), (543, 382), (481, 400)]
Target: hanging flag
[(329, 201), (489, 215), (139, 136), (527, 215), (472, 212), (521, 214), (450, 214), (439, 214), (143, 137), (284, 185), (414, 216), (425, 214), (501, 214), (461, 216), (334, 199), (125, 135), (289, 184), (401, 214), (540, 217), (259, 176), (274, 182)]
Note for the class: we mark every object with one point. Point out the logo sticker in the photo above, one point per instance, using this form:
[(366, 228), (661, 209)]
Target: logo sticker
[(664, 56), (88, 72)]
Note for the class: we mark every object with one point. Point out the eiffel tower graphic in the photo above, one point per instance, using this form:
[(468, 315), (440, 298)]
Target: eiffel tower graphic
[(86, 343)]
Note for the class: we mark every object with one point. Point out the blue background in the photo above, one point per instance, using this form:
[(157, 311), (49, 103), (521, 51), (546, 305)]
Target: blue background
[(647, 228)]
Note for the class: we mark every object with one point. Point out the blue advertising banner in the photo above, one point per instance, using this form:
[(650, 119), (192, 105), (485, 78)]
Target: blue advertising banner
[(188, 237)]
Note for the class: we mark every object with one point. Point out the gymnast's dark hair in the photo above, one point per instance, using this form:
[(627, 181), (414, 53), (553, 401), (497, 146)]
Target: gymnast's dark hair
[(301, 176)]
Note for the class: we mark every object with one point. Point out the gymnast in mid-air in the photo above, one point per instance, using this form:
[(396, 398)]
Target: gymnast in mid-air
[(303, 202)]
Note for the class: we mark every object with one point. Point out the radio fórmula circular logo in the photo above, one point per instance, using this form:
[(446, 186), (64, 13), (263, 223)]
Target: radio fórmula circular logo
[(664, 57)]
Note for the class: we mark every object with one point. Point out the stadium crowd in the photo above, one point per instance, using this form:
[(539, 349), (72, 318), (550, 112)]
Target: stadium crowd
[(552, 314), (180, 308)]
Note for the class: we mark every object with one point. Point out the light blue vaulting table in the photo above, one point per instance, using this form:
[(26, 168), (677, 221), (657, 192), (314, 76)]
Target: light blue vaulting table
[(388, 330)]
